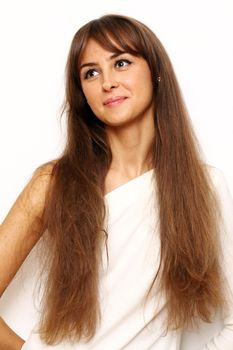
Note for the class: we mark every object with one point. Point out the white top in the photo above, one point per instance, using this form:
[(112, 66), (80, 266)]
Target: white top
[(133, 249)]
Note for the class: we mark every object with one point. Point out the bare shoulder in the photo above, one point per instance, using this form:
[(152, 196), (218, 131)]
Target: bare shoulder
[(33, 196), (23, 226), (29, 205)]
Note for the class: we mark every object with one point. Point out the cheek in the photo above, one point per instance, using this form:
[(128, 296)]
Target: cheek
[(141, 82), (93, 100), (90, 95), (145, 87), (147, 81)]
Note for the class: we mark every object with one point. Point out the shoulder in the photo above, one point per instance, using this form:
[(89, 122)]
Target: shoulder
[(23, 225), (33, 196), (43, 175)]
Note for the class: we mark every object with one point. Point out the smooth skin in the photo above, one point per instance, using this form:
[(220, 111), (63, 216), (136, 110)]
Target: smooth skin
[(19, 232), (119, 90), (130, 120)]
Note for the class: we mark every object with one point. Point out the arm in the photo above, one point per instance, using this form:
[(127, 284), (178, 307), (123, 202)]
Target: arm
[(224, 339), (9, 340), (19, 232)]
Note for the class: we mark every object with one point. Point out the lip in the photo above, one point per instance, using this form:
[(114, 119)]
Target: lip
[(113, 101)]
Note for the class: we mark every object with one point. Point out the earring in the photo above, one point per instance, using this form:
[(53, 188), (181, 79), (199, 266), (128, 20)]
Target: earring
[(158, 78)]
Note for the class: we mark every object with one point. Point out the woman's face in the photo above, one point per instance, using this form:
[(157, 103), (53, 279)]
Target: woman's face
[(118, 87)]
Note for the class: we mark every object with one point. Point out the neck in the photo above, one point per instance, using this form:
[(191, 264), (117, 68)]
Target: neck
[(131, 148)]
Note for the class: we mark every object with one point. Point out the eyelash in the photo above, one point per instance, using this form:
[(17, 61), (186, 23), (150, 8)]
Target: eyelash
[(123, 60), (87, 74)]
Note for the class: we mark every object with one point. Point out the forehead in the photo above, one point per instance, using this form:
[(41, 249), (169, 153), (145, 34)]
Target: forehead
[(110, 42), (92, 49)]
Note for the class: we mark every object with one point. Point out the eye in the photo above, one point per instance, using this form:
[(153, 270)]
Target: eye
[(122, 63), (90, 73)]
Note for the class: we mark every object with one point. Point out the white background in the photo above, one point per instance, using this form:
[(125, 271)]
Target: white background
[(35, 37)]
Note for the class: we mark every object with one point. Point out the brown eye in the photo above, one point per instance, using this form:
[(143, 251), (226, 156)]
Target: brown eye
[(122, 63), (90, 74)]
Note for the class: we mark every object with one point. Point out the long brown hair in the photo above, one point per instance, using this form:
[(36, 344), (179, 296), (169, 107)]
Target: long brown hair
[(189, 273)]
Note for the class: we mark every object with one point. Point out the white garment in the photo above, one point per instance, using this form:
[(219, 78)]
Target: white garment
[(133, 249)]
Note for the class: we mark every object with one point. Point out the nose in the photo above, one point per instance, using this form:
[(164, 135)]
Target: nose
[(109, 82)]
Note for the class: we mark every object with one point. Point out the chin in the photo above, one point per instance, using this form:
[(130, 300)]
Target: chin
[(116, 122)]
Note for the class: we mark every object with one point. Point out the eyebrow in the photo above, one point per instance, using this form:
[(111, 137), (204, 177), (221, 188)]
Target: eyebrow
[(92, 64)]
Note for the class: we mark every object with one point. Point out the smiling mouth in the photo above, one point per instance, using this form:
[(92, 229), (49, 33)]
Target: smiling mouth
[(114, 101)]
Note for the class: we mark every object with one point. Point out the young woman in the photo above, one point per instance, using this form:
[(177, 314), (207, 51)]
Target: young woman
[(138, 228)]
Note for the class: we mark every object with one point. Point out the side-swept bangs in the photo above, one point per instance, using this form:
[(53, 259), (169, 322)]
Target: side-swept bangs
[(116, 34)]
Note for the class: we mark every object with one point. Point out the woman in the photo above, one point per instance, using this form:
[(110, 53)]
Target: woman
[(138, 227)]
